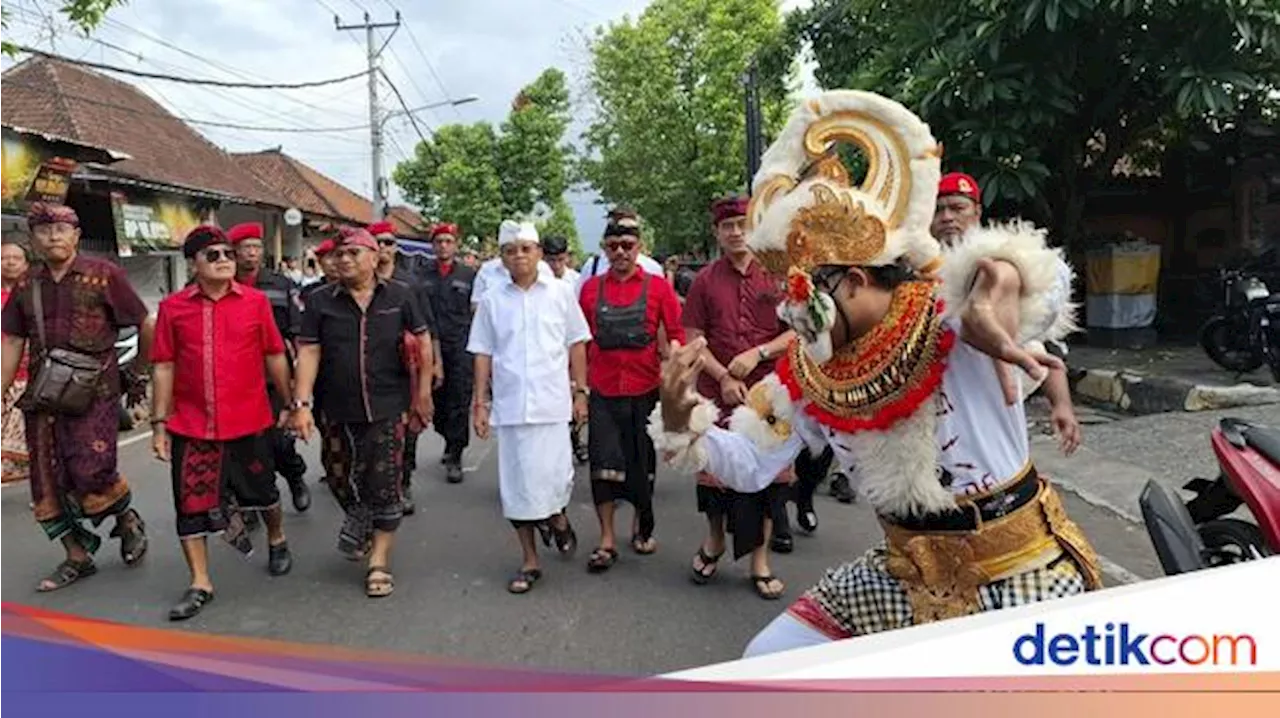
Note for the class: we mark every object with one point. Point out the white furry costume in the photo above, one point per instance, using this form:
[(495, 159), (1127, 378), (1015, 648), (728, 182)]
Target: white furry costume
[(914, 415)]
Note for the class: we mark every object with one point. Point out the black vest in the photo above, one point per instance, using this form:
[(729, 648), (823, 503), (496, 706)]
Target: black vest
[(622, 327)]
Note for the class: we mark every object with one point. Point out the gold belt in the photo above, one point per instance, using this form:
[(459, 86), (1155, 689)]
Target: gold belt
[(942, 571)]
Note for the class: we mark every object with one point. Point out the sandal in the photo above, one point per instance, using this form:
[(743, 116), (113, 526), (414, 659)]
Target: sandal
[(566, 539), (644, 547), (378, 586), (602, 559), (192, 602), (761, 584), (133, 537), (67, 573), (524, 579), (709, 566)]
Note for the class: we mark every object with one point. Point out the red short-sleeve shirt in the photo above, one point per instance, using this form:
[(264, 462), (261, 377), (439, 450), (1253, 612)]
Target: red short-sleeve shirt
[(218, 349)]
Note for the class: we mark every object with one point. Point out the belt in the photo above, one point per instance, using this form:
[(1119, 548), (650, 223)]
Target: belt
[(941, 570), (979, 509)]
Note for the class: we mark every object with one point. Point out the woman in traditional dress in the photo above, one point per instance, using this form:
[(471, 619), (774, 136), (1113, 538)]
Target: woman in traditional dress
[(16, 467)]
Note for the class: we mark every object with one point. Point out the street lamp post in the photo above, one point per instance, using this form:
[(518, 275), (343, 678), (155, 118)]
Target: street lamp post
[(380, 187)]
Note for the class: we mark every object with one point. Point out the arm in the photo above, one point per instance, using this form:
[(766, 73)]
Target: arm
[(161, 404), (578, 371), (426, 370), (278, 370), (13, 349), (480, 405), (304, 385), (1063, 412), (146, 338)]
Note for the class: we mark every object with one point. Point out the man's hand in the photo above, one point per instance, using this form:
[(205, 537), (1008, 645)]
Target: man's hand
[(990, 324), (283, 421), (732, 391), (745, 363), (1067, 428), (481, 420), (679, 372), (423, 408), (160, 445), (437, 374), (579, 409), (304, 423)]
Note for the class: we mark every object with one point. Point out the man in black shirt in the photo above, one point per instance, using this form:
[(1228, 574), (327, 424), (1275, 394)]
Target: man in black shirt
[(448, 286), (390, 270), (286, 307), (351, 353)]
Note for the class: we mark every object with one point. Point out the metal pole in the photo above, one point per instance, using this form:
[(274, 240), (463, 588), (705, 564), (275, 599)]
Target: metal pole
[(375, 119), (751, 99)]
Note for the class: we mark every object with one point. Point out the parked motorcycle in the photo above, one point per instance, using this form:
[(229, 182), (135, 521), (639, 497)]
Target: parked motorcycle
[(126, 353), (1246, 334), (1199, 534)]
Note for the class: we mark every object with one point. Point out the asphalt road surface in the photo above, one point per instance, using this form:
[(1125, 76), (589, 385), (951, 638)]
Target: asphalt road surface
[(452, 561)]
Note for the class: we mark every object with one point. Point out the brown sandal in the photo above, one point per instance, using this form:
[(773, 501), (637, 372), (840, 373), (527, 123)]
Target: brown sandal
[(133, 537), (378, 586), (67, 573)]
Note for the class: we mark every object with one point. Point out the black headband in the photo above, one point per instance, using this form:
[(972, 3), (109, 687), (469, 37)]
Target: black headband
[(201, 238), (622, 230)]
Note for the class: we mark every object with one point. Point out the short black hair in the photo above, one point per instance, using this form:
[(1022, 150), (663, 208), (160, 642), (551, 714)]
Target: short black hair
[(555, 244), (888, 276)]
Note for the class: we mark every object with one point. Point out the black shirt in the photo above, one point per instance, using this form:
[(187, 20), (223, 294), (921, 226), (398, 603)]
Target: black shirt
[(418, 290), (286, 303), (362, 376), (451, 301)]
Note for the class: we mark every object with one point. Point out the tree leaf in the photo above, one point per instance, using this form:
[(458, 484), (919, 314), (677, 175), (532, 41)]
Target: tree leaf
[(1051, 15), (984, 144)]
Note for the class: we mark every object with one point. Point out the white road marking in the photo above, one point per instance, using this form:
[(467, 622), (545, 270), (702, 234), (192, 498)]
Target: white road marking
[(133, 440)]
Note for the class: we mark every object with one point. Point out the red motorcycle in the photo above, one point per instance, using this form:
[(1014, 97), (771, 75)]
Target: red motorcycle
[(1199, 534)]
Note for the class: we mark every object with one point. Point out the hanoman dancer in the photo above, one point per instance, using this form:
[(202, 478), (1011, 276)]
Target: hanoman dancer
[(906, 378)]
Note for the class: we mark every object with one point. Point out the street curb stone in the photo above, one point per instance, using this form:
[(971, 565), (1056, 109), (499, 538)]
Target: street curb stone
[(1137, 394)]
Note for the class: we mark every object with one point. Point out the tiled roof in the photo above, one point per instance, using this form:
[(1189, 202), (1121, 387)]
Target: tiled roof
[(59, 98), (314, 193)]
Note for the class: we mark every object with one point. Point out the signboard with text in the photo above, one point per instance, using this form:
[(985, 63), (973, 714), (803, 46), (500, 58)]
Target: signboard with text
[(32, 172), (153, 222)]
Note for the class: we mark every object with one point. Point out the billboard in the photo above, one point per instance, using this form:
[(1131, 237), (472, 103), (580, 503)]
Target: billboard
[(151, 222), (32, 173)]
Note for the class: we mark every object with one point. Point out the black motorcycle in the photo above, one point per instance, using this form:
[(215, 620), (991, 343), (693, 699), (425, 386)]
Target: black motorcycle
[(1246, 334)]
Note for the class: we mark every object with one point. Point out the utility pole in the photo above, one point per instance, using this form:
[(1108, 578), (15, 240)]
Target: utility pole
[(375, 118), (755, 141)]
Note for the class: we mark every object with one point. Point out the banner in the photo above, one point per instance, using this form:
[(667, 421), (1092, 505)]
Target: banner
[(151, 223), (32, 173)]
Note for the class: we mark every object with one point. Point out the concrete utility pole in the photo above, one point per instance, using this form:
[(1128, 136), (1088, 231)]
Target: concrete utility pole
[(375, 119)]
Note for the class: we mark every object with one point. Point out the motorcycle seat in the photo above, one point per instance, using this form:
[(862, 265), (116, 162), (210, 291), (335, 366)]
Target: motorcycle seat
[(1265, 441)]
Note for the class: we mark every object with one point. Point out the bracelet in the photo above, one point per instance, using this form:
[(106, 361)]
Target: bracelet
[(157, 422), (303, 404), (764, 355)]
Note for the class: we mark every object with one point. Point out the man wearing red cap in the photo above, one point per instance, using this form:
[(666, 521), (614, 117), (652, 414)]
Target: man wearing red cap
[(247, 238), (448, 284), (391, 270), (959, 209), (734, 304)]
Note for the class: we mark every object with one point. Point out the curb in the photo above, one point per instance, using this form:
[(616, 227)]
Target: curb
[(1134, 393)]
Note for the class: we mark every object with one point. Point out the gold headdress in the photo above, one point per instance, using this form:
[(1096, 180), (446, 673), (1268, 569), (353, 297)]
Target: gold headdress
[(804, 211)]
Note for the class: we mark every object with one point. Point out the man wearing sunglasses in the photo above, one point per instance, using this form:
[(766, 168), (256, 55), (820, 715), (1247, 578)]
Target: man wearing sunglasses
[(626, 309), (286, 307), (211, 415), (599, 263)]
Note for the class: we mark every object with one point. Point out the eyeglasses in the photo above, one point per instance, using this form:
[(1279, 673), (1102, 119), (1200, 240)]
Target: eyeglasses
[(828, 279), (217, 255), (625, 245)]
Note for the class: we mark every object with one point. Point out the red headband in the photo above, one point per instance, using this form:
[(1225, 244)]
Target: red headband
[(243, 231), (728, 208), (356, 237)]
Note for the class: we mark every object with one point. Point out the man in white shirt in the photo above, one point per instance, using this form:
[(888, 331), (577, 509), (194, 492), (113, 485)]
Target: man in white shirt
[(529, 335), (555, 251), (494, 273)]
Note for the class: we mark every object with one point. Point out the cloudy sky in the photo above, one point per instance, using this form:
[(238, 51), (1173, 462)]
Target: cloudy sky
[(444, 50)]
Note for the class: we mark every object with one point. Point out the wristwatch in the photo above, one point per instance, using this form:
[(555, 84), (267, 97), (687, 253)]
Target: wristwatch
[(303, 404), (764, 353)]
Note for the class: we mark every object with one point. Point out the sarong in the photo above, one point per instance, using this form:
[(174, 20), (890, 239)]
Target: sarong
[(623, 459), (16, 460), (744, 514), (214, 481), (73, 470), (365, 464), (535, 470)]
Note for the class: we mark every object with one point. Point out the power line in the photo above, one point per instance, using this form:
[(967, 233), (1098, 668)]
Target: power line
[(191, 80), (430, 67), (189, 120), (403, 105)]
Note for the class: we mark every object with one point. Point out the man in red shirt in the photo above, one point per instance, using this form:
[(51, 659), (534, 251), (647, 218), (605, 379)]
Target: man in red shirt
[(734, 304), (625, 309), (211, 412)]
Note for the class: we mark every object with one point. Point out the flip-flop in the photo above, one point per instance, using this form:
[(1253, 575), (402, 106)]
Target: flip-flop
[(378, 587), (602, 559), (761, 584), (526, 576), (637, 543), (67, 573), (708, 563)]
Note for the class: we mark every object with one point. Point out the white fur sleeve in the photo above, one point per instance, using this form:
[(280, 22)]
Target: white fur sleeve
[(738, 463), (1047, 312)]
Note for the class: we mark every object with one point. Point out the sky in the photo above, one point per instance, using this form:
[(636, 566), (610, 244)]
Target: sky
[(443, 50)]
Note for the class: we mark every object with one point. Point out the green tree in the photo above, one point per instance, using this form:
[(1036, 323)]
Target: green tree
[(1039, 99), (476, 176), (562, 222), (668, 133), (84, 15)]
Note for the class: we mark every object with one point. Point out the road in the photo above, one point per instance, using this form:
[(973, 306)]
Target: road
[(452, 562)]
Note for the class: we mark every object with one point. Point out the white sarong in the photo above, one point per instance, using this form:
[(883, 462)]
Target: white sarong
[(535, 470)]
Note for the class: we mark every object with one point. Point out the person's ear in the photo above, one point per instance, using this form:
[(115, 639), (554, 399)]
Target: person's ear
[(857, 278)]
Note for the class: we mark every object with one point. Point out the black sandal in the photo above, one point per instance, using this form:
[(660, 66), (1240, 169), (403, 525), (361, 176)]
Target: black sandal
[(192, 602), (525, 577), (133, 537), (602, 559), (638, 544), (566, 539), (67, 573), (761, 584), (701, 577)]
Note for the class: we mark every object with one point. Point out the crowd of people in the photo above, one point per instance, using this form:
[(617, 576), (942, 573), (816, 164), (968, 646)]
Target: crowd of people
[(793, 350)]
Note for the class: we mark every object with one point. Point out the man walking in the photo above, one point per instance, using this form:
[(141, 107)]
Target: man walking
[(734, 304), (448, 285), (211, 414), (70, 308), (529, 335), (351, 356), (625, 309), (285, 308)]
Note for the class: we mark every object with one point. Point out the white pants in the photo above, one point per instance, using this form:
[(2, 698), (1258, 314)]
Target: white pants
[(784, 633)]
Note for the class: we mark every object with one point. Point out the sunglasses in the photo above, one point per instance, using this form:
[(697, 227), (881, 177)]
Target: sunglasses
[(625, 245), (386, 243), (217, 255)]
